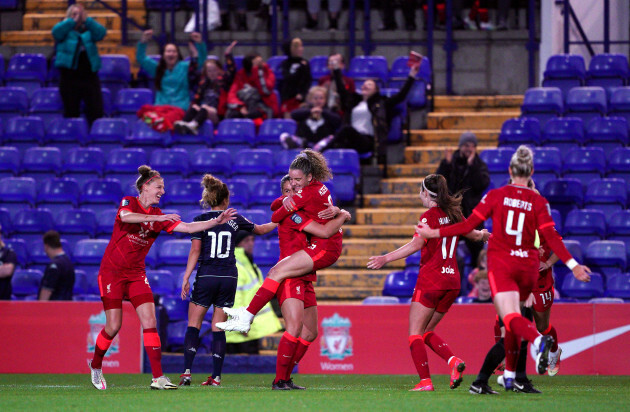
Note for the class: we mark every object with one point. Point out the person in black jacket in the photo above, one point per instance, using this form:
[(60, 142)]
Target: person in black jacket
[(296, 77), (465, 171), (367, 117), (58, 280)]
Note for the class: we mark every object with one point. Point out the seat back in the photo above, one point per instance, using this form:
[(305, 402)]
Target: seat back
[(618, 286), (89, 251), (271, 129), (254, 162), (215, 161), (365, 67), (585, 164), (9, 161), (42, 161), (319, 66), (563, 66), (162, 282), (13, 100), (28, 130), (171, 162), (58, 190), (606, 256), (239, 192), (236, 132), (607, 132), (606, 191), (571, 287), (265, 192), (46, 99), (563, 133), (26, 282), (520, 130), (343, 161), (400, 283)]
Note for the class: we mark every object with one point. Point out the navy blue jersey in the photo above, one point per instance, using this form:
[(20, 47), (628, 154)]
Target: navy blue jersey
[(217, 245)]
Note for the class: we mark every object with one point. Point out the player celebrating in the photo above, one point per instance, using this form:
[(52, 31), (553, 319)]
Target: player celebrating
[(517, 212), (438, 282), (307, 171), (296, 296), (122, 273), (217, 276)]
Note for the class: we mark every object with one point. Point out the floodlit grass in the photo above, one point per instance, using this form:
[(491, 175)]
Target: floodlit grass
[(325, 393)]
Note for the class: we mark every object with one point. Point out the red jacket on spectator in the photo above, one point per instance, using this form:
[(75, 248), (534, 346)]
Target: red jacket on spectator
[(264, 87)]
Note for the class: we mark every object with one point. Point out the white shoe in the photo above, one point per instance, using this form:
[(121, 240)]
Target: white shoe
[(501, 381), (162, 383), (98, 380), (239, 321), (554, 362)]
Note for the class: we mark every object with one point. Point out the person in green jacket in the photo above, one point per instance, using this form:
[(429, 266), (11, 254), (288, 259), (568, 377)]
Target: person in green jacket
[(172, 71), (78, 62)]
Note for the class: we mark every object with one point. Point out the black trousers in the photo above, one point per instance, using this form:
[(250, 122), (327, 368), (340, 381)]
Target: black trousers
[(75, 87), (349, 138)]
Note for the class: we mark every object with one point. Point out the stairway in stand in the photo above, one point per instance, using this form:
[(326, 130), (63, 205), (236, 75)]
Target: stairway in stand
[(386, 220)]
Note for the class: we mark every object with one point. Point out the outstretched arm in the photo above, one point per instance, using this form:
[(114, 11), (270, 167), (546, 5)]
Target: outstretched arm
[(264, 229), (330, 228), (478, 235), (377, 262), (193, 227)]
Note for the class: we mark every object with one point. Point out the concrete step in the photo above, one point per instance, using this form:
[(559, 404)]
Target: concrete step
[(398, 185), (378, 231), (431, 154), (44, 38), (353, 278), (359, 262), (62, 5), (392, 200), (469, 120), (111, 21), (477, 103), (486, 137), (371, 247), (343, 292), (412, 169), (392, 216)]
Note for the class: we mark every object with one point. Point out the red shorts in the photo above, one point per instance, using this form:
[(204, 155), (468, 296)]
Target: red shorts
[(543, 299), (115, 287), (297, 288), (322, 256), (512, 275), (440, 300)]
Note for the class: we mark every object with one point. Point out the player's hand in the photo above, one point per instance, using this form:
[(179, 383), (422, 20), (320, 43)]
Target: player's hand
[(228, 49), (581, 273), (329, 213), (529, 301), (289, 204), (426, 232), (185, 289), (376, 262), (146, 36), (346, 214), (229, 214), (543, 266), (173, 217), (485, 235)]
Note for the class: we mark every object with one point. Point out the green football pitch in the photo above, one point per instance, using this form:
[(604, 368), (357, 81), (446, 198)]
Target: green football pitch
[(245, 392)]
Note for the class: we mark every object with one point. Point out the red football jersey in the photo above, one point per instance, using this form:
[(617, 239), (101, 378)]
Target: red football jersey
[(438, 263), (131, 242)]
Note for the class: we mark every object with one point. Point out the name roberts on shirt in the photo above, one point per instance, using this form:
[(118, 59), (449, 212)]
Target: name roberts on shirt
[(517, 203)]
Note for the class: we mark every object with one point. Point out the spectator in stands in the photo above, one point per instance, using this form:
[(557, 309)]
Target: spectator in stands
[(367, 117), (408, 8), (8, 262), (210, 100), (240, 6), (314, 122), (482, 264), (250, 278), (333, 102), (252, 92), (482, 286), (465, 171), (296, 77), (78, 62), (58, 280), (313, 8)]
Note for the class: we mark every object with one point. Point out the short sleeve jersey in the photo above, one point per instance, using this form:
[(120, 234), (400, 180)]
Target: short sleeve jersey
[(438, 263), (7, 256), (59, 277), (516, 213), (130, 242), (217, 245), (544, 256)]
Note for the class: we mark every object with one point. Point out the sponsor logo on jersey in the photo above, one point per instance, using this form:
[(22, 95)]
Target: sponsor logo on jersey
[(297, 290), (323, 190), (336, 341), (444, 220), (143, 232), (424, 220), (125, 202), (109, 288), (296, 218), (448, 270), (97, 323), (519, 253)]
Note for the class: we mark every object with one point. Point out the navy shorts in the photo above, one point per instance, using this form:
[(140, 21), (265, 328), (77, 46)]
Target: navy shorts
[(214, 290)]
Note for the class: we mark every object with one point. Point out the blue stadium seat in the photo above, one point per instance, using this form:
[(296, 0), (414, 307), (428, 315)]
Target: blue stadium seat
[(564, 133), (90, 279), (37, 258), (101, 194), (319, 67), (587, 103), (31, 224), (565, 71), (607, 257), (17, 191), (26, 282), (560, 270), (608, 195), (143, 136), (557, 219), (80, 284), (369, 67), (547, 165), (543, 103), (343, 161), (66, 133), (128, 101), (217, 162), (584, 164), (52, 77), (9, 161), (253, 164), (46, 103), (123, 164), (608, 133), (13, 102), (620, 103), (105, 224), (343, 188), (75, 225), (176, 329), (6, 227), (184, 194), (498, 161), (518, 131), (108, 134), (108, 105), (412, 262), (256, 216), (585, 226), (115, 72), (41, 162), (24, 132), (235, 134), (619, 165), (400, 283), (264, 192), (274, 63), (26, 70), (19, 247), (239, 193), (608, 70), (270, 131), (417, 97), (619, 229), (162, 282), (266, 254), (573, 288), (193, 142), (618, 286), (173, 255), (282, 160), (89, 252), (171, 163), (380, 300), (83, 164), (564, 194), (58, 194)]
